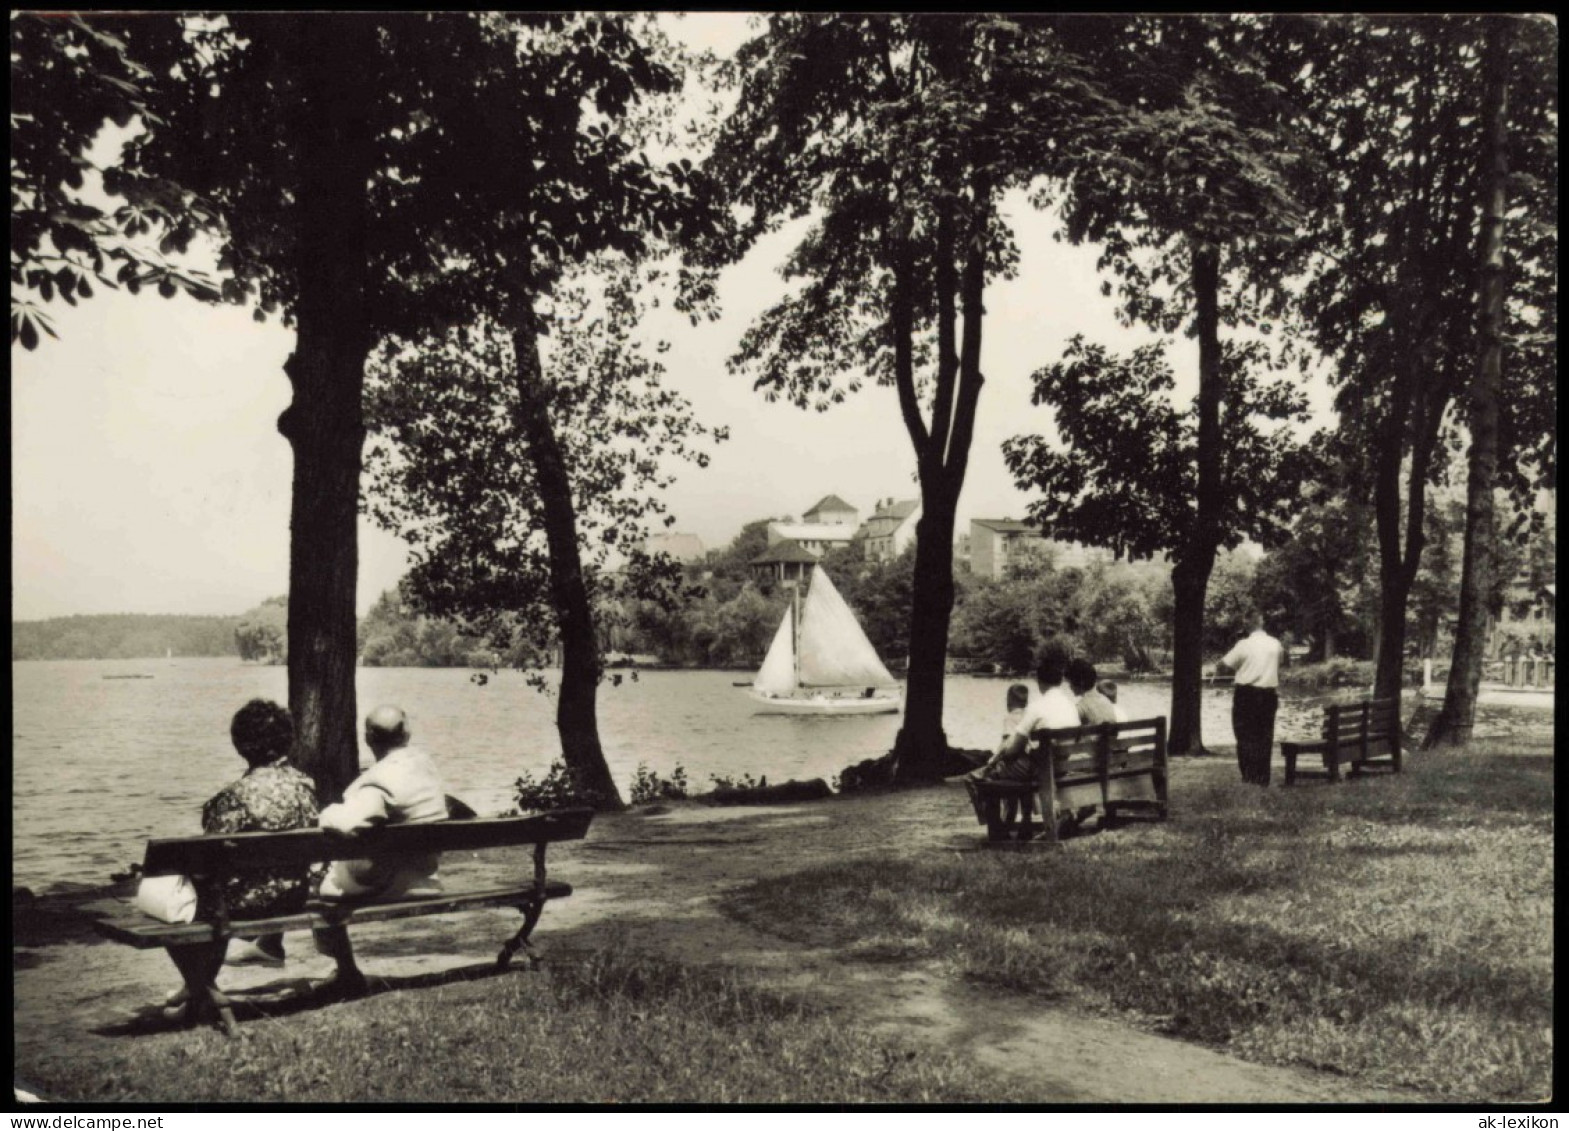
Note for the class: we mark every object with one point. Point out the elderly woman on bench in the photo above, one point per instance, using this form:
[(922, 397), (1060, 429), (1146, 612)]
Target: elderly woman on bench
[(272, 796)]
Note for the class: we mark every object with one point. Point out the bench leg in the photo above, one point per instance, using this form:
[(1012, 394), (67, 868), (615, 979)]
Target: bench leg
[(532, 910), (1291, 766), (199, 965), (347, 980)]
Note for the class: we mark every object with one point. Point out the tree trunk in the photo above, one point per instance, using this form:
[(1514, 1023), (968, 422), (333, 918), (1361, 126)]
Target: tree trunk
[(1189, 581), (1190, 576), (576, 703), (921, 750), (324, 423), (1453, 724)]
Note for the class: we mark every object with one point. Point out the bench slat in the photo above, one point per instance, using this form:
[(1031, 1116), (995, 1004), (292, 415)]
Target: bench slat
[(226, 854), (144, 933)]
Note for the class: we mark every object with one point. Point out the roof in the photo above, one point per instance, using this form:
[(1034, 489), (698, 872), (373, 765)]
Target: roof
[(831, 503), (787, 551), (682, 547), (812, 531), (1006, 526), (898, 510)]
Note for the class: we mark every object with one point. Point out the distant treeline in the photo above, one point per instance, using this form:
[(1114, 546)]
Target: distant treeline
[(123, 636)]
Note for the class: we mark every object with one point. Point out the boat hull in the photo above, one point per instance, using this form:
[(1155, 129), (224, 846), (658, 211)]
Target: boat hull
[(824, 705)]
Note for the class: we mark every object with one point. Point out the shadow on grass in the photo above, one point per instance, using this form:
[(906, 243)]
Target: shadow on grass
[(289, 996)]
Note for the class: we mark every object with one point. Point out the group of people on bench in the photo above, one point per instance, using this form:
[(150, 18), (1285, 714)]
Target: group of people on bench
[(1070, 695), (274, 795)]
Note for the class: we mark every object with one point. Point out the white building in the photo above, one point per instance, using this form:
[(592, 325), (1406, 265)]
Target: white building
[(891, 529)]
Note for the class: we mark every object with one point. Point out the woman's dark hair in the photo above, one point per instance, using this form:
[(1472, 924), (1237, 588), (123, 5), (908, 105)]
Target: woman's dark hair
[(262, 731), (1081, 676), (1018, 696)]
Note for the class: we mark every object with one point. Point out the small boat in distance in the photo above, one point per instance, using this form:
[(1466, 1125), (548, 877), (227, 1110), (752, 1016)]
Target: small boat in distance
[(821, 663)]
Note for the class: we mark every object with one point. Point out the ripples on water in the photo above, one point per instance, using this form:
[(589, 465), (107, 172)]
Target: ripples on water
[(100, 765)]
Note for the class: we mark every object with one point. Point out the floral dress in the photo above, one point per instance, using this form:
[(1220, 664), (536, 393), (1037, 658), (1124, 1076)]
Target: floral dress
[(270, 798)]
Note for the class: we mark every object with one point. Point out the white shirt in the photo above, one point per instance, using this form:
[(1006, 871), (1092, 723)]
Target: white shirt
[(1256, 660), (403, 787), (1053, 710)]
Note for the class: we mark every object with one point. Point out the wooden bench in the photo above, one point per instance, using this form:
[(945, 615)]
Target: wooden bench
[(1365, 736), (1118, 768), (197, 948)]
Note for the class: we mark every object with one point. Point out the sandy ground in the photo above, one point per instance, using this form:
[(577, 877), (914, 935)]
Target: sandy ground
[(650, 880)]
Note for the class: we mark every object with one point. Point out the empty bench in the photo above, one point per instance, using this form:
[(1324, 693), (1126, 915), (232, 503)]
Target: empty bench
[(197, 948), (1117, 768), (1364, 736)]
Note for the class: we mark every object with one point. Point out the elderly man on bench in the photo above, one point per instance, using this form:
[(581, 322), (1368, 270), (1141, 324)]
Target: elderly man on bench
[(403, 787)]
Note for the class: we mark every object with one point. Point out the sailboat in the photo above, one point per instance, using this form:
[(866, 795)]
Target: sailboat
[(821, 663)]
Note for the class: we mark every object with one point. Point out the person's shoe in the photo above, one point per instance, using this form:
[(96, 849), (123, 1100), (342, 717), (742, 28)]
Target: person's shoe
[(243, 952), (178, 998)]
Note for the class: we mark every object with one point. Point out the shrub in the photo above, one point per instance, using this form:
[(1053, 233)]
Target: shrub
[(558, 789), (745, 781), (648, 786)]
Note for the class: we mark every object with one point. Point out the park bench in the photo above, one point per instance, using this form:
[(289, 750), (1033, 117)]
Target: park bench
[(1118, 768), (1365, 736), (197, 948)]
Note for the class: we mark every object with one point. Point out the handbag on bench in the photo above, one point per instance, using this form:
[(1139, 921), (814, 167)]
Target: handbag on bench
[(169, 899)]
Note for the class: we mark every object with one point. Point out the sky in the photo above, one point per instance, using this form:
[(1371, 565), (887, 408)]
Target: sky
[(148, 475)]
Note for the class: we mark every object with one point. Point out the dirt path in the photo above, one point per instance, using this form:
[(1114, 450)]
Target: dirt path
[(652, 882)]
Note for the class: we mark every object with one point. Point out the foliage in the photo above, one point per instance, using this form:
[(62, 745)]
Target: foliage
[(71, 78), (394, 635), (120, 636), (1317, 678), (731, 781), (733, 564), (449, 468), (1319, 580), (1161, 925), (648, 787), (263, 633), (1134, 490), (560, 788), (1231, 601)]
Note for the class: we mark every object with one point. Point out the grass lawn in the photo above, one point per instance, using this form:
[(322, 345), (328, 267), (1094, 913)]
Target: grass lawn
[(605, 1028), (1396, 930)]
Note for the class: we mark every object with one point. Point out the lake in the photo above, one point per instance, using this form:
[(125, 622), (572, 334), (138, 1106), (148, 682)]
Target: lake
[(102, 764)]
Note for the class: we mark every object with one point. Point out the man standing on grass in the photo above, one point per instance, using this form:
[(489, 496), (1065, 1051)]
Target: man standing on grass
[(1254, 699)]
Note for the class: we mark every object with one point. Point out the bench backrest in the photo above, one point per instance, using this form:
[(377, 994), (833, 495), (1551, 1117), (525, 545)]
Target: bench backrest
[(1350, 722), (1136, 744), (229, 853)]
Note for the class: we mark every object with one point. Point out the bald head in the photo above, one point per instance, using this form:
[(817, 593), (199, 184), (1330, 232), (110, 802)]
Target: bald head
[(386, 728)]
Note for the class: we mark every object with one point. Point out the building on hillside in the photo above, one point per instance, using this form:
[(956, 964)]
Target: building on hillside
[(997, 545), (891, 529), (831, 510), (683, 548), (786, 562), (818, 537)]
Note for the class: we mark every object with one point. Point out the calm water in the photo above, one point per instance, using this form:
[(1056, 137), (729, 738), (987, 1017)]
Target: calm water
[(100, 765)]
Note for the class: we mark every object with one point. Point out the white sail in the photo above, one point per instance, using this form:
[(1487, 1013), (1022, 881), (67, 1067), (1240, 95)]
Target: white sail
[(777, 675), (834, 650)]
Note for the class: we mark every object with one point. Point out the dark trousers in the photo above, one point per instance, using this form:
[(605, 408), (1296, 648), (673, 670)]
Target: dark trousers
[(1253, 722)]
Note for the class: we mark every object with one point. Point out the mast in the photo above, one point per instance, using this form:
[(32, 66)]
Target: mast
[(795, 629)]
